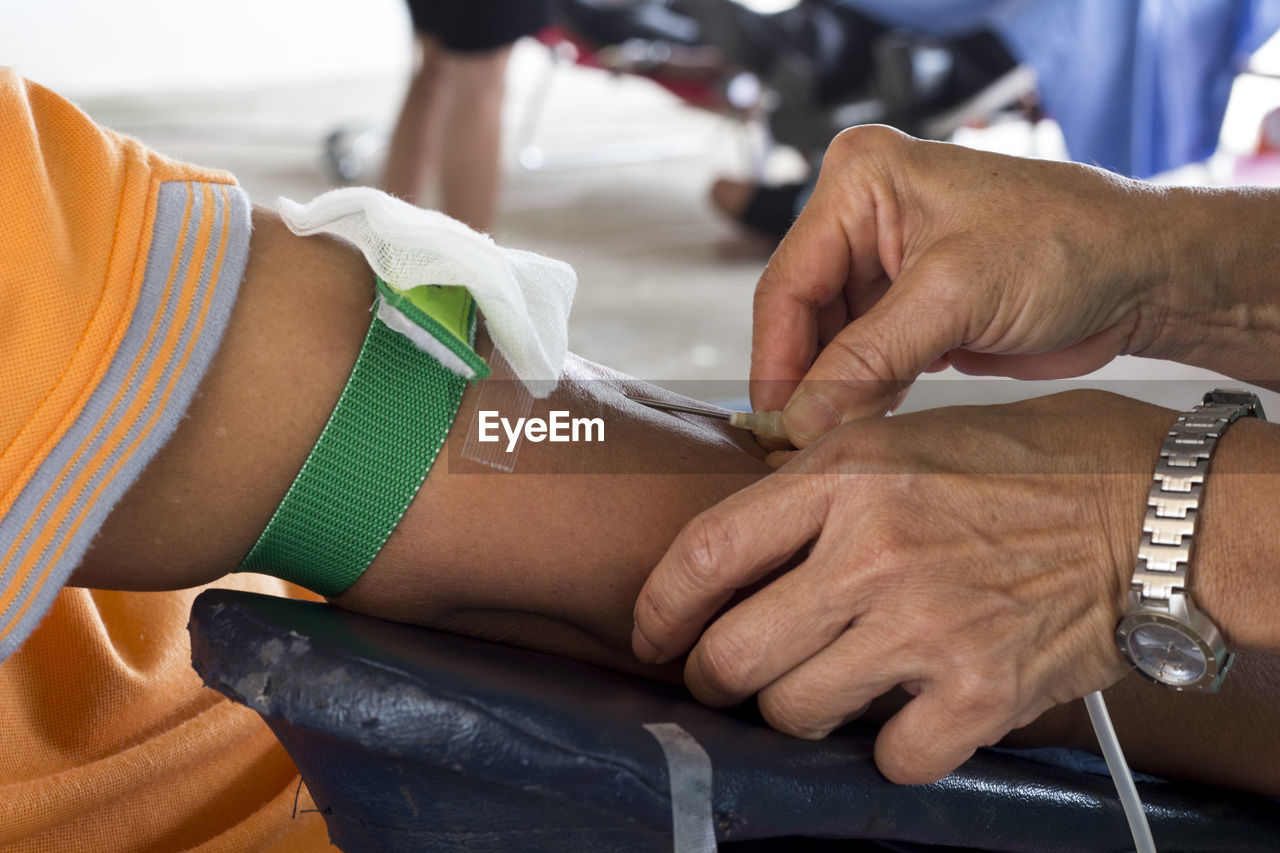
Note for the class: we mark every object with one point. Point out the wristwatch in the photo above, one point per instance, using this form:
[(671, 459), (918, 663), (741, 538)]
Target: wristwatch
[(1163, 634)]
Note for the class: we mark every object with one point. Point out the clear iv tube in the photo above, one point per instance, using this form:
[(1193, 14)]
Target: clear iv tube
[(1120, 772)]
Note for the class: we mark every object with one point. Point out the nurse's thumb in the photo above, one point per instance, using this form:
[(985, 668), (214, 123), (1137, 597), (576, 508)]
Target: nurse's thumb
[(869, 364)]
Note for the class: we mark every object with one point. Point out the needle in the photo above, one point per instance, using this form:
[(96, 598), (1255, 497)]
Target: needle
[(766, 425)]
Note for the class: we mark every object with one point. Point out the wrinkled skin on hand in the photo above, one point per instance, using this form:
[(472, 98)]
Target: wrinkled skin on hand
[(912, 255), (977, 557)]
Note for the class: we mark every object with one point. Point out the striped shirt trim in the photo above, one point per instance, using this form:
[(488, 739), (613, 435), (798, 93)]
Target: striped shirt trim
[(198, 252)]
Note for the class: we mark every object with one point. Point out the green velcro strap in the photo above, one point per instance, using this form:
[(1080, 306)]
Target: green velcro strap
[(372, 457), (446, 312)]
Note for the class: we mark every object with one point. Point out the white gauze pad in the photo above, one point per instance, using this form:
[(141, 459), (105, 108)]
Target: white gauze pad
[(524, 297)]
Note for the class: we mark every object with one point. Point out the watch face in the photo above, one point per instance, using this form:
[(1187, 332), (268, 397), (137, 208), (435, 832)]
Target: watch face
[(1166, 654)]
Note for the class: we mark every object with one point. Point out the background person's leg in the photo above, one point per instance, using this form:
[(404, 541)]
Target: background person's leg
[(450, 126), (470, 157), (413, 157)]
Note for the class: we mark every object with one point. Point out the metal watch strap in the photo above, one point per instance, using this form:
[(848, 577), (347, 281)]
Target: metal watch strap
[(1173, 503)]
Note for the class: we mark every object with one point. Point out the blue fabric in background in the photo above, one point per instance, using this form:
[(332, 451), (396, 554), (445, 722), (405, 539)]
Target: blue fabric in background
[(1138, 86)]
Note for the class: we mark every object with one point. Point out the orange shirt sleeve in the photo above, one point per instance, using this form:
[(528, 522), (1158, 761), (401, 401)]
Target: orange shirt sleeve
[(118, 270)]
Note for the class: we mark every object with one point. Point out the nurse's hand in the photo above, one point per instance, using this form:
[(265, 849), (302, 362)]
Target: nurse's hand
[(978, 557), (998, 265)]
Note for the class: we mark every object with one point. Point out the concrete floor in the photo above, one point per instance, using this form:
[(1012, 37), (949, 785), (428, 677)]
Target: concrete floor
[(664, 285)]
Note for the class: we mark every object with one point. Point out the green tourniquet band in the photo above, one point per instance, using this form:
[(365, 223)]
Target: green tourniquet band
[(369, 462), (446, 311)]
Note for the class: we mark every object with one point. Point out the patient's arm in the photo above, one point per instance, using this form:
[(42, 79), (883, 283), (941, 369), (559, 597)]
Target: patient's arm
[(550, 560), (553, 555), (547, 560)]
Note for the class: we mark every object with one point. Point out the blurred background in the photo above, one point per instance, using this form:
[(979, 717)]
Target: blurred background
[(601, 165)]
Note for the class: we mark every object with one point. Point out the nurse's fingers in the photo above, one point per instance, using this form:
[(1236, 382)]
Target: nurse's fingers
[(727, 547)]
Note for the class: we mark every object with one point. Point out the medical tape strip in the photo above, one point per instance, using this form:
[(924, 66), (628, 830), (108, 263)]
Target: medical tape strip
[(512, 400), (689, 768)]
